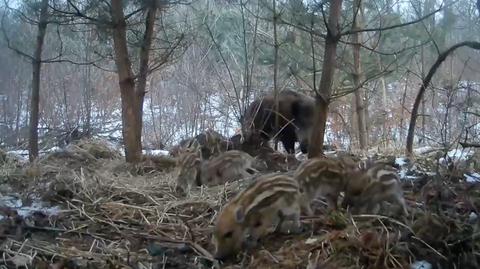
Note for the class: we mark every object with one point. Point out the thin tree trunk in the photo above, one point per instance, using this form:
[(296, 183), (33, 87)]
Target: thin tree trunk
[(426, 81), (130, 110), (402, 119), (17, 117), (36, 68), (143, 70), (88, 89), (152, 113), (384, 109), (358, 77), (275, 68), (323, 97), (65, 104)]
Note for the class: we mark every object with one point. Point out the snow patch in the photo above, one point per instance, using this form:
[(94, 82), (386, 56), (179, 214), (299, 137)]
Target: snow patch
[(24, 211), (421, 265), (20, 154), (473, 217), (53, 149), (155, 152), (461, 154), (401, 161), (422, 150), (473, 177)]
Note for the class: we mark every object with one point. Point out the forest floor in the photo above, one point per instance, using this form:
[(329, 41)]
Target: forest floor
[(84, 207)]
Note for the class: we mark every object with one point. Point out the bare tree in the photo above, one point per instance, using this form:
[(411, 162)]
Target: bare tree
[(36, 68), (132, 93), (425, 83), (36, 60), (358, 77), (325, 88)]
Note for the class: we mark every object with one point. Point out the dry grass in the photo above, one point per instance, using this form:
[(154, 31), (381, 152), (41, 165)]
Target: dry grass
[(120, 216)]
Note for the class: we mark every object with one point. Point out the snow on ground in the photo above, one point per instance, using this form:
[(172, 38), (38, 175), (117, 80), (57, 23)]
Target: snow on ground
[(13, 202), (421, 265), (50, 150), (473, 217), (473, 177), (401, 161), (20, 154), (461, 154), (422, 150), (155, 152)]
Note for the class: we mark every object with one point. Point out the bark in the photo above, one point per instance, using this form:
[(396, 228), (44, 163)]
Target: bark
[(275, 68), (325, 88), (36, 68), (143, 70), (130, 109), (88, 88), (17, 117), (404, 97), (384, 109), (358, 77), (426, 81)]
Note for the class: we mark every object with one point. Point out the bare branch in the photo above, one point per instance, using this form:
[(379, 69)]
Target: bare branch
[(9, 45), (353, 31), (426, 81)]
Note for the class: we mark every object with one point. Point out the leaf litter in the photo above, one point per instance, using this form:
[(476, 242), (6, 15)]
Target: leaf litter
[(87, 208)]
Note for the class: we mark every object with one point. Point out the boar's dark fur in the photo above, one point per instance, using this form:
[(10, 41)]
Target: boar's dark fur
[(295, 119)]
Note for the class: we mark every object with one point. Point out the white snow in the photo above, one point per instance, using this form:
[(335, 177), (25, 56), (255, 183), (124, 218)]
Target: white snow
[(473, 177), (461, 154), (50, 150), (155, 152), (422, 150), (20, 154), (472, 217), (401, 161), (421, 265), (16, 203)]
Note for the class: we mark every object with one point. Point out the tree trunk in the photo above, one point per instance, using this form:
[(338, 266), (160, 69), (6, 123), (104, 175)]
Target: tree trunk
[(18, 116), (143, 68), (275, 69), (384, 109), (36, 66), (358, 77), (88, 88), (130, 110), (325, 88), (426, 81)]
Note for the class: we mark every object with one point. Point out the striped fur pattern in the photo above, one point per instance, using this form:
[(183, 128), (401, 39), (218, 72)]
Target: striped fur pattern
[(228, 166), (367, 189), (320, 177), (365, 186), (269, 204), (188, 169)]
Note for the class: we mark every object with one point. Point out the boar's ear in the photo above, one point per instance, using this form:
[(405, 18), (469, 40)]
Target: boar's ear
[(239, 215)]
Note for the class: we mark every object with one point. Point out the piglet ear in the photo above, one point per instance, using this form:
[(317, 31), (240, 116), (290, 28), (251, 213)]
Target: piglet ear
[(239, 215)]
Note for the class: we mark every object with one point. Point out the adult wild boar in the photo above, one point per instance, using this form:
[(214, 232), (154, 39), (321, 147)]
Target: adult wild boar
[(295, 120)]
